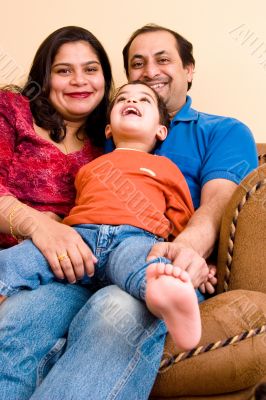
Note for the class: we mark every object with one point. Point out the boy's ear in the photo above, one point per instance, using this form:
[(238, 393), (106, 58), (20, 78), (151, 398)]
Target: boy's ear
[(108, 131), (161, 132)]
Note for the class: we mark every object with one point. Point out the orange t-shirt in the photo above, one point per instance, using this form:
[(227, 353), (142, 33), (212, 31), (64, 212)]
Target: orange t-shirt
[(128, 187)]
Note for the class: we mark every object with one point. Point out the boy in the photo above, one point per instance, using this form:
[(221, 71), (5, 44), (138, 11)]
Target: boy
[(126, 201)]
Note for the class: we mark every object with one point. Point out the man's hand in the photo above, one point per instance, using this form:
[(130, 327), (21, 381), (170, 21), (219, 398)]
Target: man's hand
[(196, 242), (209, 286), (184, 257)]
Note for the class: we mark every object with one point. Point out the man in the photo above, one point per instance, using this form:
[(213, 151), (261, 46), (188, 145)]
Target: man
[(214, 153)]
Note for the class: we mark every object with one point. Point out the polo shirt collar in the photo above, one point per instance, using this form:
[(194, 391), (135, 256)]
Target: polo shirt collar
[(186, 113)]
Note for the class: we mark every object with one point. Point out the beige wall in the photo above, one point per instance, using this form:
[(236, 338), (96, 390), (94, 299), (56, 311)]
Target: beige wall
[(229, 40)]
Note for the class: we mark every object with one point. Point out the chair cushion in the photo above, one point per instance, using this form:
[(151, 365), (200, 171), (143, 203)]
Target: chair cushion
[(226, 369)]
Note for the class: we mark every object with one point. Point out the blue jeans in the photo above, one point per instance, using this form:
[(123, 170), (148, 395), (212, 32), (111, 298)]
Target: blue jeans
[(121, 252), (100, 346), (112, 351)]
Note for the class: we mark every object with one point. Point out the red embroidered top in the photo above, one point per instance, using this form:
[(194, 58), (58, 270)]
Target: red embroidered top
[(31, 168)]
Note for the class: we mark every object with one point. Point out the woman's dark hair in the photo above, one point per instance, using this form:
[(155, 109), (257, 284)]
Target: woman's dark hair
[(37, 87), (163, 114), (184, 47)]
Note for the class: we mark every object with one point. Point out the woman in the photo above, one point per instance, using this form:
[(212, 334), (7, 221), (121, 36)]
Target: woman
[(113, 341), (46, 136)]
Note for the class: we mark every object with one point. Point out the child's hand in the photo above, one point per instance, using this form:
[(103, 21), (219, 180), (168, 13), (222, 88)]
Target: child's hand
[(209, 285)]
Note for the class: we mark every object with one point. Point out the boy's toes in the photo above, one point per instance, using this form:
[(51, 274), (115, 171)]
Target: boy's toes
[(151, 271), (176, 271), (169, 269), (184, 276), (161, 268), (155, 270)]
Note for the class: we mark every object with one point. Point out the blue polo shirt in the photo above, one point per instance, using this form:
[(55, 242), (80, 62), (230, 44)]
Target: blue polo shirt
[(207, 147)]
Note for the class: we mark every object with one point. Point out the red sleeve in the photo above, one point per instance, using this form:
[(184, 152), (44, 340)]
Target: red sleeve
[(179, 206), (7, 139)]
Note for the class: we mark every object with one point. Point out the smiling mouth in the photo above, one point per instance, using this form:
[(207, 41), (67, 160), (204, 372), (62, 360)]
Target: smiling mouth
[(131, 111), (78, 95), (157, 86)]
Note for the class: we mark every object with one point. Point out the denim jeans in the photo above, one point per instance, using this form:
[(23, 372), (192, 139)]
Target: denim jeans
[(121, 252), (112, 351), (100, 346)]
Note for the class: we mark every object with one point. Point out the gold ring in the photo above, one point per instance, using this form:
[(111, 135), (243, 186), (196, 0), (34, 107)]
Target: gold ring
[(62, 257)]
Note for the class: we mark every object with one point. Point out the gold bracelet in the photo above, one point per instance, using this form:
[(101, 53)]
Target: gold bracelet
[(10, 217)]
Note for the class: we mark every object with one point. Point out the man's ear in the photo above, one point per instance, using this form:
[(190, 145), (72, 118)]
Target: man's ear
[(108, 131), (190, 72), (161, 132)]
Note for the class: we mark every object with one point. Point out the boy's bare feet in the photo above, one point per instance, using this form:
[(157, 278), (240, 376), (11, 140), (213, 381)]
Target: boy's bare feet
[(170, 296)]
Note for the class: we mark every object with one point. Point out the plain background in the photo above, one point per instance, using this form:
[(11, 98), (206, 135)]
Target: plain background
[(229, 39)]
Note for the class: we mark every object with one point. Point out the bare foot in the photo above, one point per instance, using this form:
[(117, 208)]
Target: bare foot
[(2, 298), (171, 296)]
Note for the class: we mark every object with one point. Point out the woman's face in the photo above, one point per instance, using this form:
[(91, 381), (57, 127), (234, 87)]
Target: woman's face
[(77, 82)]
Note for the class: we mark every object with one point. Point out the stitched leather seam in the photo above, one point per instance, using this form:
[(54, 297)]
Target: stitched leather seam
[(231, 240)]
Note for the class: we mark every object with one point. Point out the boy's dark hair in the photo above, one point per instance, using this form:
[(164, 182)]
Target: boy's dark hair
[(184, 47), (37, 87), (163, 114)]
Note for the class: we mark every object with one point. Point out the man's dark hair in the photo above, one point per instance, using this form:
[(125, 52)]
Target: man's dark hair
[(163, 114), (184, 47)]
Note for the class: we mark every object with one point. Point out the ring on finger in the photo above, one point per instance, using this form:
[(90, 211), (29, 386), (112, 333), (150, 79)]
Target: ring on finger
[(62, 257)]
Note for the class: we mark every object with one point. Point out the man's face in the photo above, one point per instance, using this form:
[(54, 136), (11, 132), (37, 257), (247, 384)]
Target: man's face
[(154, 59)]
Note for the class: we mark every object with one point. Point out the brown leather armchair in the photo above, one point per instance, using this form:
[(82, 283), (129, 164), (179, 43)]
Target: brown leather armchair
[(231, 357)]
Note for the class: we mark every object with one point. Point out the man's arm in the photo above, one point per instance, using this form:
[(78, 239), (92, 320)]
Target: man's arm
[(203, 228), (196, 242)]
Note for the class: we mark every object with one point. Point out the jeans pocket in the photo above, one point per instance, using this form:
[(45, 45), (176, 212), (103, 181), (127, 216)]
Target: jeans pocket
[(49, 360)]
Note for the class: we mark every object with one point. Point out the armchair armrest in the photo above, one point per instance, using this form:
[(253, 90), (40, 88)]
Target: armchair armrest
[(242, 245)]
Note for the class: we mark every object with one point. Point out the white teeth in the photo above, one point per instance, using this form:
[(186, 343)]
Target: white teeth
[(130, 110), (157, 85)]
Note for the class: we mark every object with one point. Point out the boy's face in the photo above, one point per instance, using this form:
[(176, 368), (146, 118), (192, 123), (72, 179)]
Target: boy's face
[(135, 116)]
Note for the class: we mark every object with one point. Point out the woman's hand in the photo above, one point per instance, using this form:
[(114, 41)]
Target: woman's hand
[(52, 215), (68, 255)]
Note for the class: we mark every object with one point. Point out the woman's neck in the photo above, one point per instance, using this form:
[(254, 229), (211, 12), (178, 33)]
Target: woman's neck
[(74, 129)]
